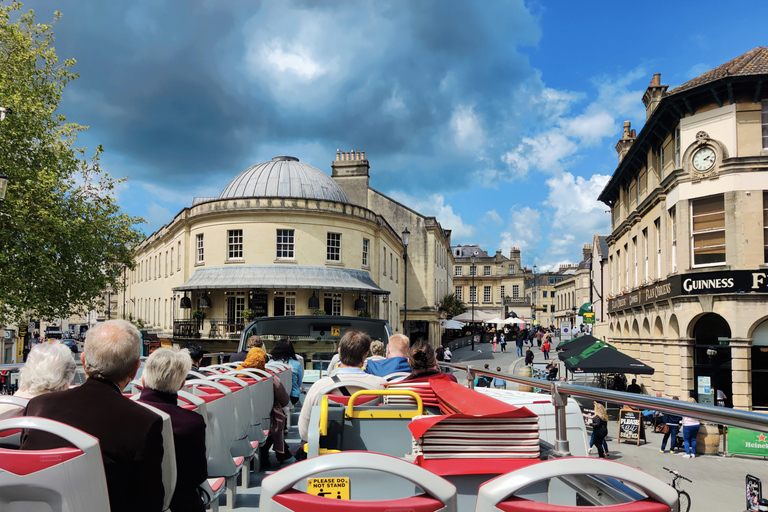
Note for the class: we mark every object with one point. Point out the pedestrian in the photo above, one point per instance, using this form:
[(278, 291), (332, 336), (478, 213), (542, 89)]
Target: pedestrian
[(546, 347), (529, 356), (670, 429), (499, 383), (503, 343), (690, 431), (447, 355), (551, 370), (440, 353), (539, 336), (589, 417), (519, 343), (494, 342), (599, 423)]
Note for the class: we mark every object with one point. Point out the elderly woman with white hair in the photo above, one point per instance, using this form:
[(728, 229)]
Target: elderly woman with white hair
[(49, 367), (165, 371)]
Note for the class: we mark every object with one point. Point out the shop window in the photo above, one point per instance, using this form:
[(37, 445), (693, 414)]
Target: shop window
[(708, 230)]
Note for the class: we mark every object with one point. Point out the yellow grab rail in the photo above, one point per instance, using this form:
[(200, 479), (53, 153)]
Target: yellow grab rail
[(383, 412), (324, 415)]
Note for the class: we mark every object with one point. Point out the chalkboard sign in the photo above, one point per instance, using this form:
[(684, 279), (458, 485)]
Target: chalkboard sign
[(754, 493), (258, 303), (631, 426)]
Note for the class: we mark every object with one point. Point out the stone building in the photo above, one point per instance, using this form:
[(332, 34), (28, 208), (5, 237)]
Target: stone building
[(284, 236), (494, 284), (574, 290), (688, 249)]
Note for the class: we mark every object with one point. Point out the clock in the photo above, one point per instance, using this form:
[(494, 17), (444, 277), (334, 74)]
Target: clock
[(704, 159)]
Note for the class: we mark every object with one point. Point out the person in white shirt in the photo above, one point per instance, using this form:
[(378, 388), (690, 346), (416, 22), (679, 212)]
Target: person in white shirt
[(353, 349)]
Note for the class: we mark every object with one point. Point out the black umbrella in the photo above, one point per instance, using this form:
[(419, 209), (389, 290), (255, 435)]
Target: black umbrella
[(602, 358), (578, 344)]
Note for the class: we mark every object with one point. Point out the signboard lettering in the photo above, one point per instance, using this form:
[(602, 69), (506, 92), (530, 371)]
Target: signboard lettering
[(631, 426), (258, 302), (334, 488), (747, 442)]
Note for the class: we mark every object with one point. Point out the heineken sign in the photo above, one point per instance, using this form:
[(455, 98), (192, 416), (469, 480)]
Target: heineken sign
[(747, 442), (734, 281)]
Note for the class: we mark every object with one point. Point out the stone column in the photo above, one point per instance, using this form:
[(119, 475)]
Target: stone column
[(658, 362), (687, 383), (741, 373), (671, 368)]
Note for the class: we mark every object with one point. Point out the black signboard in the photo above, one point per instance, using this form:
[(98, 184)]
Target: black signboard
[(702, 283), (258, 302), (754, 493), (631, 426)]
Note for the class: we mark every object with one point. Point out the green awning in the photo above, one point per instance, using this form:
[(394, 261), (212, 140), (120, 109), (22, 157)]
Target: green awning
[(585, 308)]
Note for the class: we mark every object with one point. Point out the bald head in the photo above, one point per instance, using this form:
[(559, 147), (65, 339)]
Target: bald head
[(398, 346)]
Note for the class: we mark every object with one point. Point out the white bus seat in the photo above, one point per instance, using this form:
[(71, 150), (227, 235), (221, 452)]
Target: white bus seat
[(218, 368), (396, 376), (262, 395), (220, 411), (196, 375), (351, 386), (169, 453), (66, 479), (242, 446), (213, 487), (12, 438), (497, 494), (377, 483)]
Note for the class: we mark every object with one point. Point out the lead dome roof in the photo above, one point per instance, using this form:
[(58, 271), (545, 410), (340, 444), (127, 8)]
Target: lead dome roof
[(284, 176)]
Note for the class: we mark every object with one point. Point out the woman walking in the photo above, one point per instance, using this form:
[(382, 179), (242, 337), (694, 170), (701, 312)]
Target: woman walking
[(599, 422), (671, 427), (494, 342), (690, 431), (503, 343)]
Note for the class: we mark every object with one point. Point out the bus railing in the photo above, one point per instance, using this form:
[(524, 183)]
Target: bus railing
[(561, 390)]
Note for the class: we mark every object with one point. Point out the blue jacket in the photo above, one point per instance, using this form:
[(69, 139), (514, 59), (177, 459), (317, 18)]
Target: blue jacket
[(384, 367)]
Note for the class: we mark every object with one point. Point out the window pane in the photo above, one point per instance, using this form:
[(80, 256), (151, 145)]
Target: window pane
[(285, 243), (365, 252), (334, 247), (235, 242)]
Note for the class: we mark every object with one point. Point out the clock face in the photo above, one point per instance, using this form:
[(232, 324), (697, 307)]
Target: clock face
[(704, 159)]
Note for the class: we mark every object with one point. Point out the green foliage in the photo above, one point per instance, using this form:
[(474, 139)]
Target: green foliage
[(63, 239), (249, 314), (198, 315), (365, 314), (451, 306), (139, 323), (319, 312)]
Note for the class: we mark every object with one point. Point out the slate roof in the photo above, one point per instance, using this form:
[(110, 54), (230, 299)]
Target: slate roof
[(754, 62), (465, 251)]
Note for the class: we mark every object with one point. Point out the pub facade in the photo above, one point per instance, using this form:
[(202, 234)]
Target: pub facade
[(687, 264)]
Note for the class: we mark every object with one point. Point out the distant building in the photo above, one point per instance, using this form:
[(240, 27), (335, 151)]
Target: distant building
[(284, 236), (498, 287), (688, 249), (573, 291)]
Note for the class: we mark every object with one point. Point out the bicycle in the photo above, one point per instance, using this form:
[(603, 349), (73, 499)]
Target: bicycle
[(683, 498)]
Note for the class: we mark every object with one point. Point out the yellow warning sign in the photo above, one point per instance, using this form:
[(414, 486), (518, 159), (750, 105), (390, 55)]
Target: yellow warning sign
[(334, 488), (335, 331)]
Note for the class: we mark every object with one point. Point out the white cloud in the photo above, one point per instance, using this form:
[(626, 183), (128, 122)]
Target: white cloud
[(546, 151), (467, 129), (591, 127), (434, 205), (524, 228), (394, 105), (493, 216), (292, 59)]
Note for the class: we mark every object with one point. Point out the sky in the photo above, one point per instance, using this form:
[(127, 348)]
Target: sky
[(499, 118)]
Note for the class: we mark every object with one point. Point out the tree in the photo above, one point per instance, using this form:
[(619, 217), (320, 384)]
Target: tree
[(63, 239), (451, 306)]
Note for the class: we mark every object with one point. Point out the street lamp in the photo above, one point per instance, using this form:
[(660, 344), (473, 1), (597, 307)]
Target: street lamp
[(472, 272), (406, 239)]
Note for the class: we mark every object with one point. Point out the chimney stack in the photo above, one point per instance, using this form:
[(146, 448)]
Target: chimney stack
[(622, 147), (586, 252), (653, 95), (351, 171)]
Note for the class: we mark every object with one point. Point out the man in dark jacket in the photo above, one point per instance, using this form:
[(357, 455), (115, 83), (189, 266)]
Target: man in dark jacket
[(130, 435), (164, 374), (529, 356)]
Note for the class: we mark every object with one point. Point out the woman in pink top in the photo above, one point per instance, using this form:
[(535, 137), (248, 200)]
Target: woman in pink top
[(690, 431)]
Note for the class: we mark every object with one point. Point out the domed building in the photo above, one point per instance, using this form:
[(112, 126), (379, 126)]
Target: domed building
[(284, 238)]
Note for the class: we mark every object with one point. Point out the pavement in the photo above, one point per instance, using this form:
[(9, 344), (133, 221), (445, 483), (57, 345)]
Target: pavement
[(718, 481)]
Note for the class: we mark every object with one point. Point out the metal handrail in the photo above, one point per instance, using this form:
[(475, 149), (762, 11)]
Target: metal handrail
[(710, 413)]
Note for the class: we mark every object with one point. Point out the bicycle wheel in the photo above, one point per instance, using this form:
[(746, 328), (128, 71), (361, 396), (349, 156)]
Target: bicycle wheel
[(684, 501)]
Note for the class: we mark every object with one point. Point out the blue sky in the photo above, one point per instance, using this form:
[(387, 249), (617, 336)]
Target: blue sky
[(498, 117)]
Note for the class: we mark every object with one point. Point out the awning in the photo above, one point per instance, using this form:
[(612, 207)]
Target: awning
[(603, 358), (244, 277), (585, 308)]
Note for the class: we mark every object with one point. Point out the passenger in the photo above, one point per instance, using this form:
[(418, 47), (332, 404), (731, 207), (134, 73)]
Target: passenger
[(239, 357), (285, 353), (353, 348), (256, 358), (397, 358), (424, 364), (551, 369), (499, 383), (378, 351), (49, 367), (164, 374), (196, 353), (130, 435)]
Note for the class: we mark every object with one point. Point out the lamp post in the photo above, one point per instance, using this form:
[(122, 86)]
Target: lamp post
[(472, 272), (406, 239)]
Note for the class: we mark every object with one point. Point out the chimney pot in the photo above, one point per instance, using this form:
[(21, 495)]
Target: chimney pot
[(363, 155), (656, 80)]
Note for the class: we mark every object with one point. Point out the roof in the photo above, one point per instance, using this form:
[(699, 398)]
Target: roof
[(466, 251), (281, 277), (754, 62), (284, 176), (603, 240)]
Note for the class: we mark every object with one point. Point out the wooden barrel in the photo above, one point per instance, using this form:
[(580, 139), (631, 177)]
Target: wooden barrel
[(708, 440), (525, 371)]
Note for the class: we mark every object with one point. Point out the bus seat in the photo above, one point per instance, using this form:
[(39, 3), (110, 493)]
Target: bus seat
[(377, 483), (12, 438), (262, 397), (396, 376), (169, 455), (59, 479), (220, 411), (497, 494), (219, 368)]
